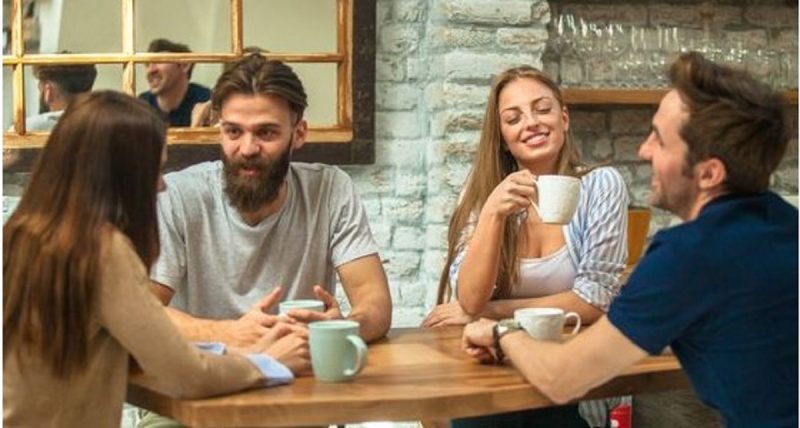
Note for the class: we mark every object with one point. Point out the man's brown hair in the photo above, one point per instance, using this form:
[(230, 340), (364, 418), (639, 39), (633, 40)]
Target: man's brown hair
[(732, 117), (164, 45), (255, 75), (71, 79)]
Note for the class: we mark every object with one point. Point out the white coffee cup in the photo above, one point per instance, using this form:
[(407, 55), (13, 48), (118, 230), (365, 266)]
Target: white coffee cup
[(546, 323), (558, 198), (308, 304)]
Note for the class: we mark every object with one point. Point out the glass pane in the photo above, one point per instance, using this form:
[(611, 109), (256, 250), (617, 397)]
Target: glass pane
[(8, 96), (290, 26), (6, 28), (164, 77), (202, 25), (64, 81), (85, 26), (319, 80)]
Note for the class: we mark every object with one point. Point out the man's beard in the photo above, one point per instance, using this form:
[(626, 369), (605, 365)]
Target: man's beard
[(250, 194)]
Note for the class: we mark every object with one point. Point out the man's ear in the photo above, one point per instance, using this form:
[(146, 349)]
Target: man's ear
[(186, 67), (48, 92), (300, 134), (711, 174)]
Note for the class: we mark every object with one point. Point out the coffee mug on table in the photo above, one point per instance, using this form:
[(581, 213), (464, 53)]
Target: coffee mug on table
[(558, 198), (337, 351), (545, 323), (309, 304)]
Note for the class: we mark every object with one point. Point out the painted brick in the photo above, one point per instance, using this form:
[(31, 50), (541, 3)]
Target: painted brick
[(417, 70), (482, 66), (514, 38), (398, 39), (450, 94), (499, 13), (410, 11), (460, 38), (382, 12), (407, 317), (401, 153), (403, 125), (636, 121), (436, 236), (413, 294), (401, 264), (370, 180), (626, 148), (410, 183), (392, 96), (407, 238), (404, 211), (389, 69), (450, 121), (439, 208), (583, 121)]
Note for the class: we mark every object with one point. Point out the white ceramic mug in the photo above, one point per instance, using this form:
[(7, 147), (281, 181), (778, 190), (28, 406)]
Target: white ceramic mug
[(546, 323), (558, 198), (309, 304)]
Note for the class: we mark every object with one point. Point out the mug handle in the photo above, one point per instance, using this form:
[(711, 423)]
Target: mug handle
[(533, 204), (577, 322), (361, 354)]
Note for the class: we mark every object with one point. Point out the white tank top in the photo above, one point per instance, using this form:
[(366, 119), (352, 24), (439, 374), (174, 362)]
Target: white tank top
[(544, 276)]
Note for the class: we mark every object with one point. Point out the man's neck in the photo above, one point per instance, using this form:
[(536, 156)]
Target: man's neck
[(170, 100), (702, 200), (256, 217)]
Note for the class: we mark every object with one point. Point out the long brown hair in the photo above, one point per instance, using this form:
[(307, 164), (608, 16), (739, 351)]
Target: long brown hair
[(491, 166), (100, 168)]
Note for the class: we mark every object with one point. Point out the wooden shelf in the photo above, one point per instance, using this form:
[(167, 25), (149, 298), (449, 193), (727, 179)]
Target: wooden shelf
[(600, 96)]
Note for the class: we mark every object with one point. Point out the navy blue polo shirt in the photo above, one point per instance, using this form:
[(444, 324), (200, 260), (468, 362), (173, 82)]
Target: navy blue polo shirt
[(181, 116), (722, 292)]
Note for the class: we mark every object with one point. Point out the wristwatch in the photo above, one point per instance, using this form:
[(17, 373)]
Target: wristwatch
[(500, 329)]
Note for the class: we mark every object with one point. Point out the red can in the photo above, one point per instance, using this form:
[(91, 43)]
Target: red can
[(622, 414)]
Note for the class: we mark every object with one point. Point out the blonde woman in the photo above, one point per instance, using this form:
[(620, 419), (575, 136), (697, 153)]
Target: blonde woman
[(501, 256)]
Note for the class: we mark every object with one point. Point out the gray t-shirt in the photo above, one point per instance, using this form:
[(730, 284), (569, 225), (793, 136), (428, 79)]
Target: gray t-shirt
[(219, 266)]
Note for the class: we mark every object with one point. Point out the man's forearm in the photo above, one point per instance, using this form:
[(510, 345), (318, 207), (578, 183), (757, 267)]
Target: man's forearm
[(373, 323), (197, 329)]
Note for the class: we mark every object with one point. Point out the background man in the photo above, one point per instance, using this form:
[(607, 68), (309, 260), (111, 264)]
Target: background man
[(58, 86), (171, 91), (239, 234), (720, 289)]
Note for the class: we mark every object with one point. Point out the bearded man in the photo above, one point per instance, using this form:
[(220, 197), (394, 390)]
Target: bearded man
[(240, 234)]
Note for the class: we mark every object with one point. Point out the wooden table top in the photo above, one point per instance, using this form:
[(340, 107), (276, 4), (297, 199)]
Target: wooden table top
[(412, 374)]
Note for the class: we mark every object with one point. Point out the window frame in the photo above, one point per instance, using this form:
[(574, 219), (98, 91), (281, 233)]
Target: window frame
[(350, 141)]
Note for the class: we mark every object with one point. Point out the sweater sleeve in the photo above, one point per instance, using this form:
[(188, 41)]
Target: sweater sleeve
[(135, 318)]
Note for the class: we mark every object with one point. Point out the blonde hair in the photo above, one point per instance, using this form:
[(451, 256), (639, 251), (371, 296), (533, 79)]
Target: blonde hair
[(491, 166)]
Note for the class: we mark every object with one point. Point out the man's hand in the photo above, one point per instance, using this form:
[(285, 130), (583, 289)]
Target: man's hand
[(478, 340), (306, 316), (288, 344), (447, 314), (254, 324)]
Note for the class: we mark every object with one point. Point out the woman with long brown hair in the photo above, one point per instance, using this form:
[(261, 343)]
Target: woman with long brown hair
[(501, 256), (76, 299)]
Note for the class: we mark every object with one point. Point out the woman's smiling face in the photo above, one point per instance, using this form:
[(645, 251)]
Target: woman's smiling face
[(533, 124)]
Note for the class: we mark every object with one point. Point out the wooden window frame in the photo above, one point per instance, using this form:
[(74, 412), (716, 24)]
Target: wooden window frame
[(350, 141)]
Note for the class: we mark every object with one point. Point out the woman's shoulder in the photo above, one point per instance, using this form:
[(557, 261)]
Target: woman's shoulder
[(604, 178)]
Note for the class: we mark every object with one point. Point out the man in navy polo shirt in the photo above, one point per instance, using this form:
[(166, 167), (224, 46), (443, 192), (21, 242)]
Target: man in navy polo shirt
[(720, 289), (171, 92)]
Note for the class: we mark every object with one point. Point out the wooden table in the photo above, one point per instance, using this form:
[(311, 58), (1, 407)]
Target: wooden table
[(413, 374)]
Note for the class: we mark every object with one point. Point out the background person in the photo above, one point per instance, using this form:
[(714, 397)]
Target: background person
[(720, 289), (76, 299), (171, 91), (58, 85)]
